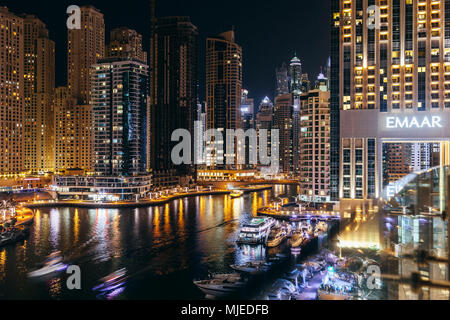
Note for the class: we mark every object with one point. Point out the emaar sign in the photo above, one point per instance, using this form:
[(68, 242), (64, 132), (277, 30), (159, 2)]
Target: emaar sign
[(414, 122)]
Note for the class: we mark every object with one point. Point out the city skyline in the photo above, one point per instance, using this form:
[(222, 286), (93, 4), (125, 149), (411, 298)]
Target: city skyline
[(279, 42)]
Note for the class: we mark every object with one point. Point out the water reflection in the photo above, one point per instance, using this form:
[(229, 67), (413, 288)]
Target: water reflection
[(163, 248)]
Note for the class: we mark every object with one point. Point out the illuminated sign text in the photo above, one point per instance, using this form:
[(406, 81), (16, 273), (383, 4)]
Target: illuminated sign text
[(413, 122)]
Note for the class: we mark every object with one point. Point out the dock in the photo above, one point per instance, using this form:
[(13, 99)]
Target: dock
[(290, 215)]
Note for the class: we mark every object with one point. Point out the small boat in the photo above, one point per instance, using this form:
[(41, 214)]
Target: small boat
[(296, 239), (53, 264), (236, 194), (221, 285), (276, 237), (112, 282), (256, 231), (253, 267)]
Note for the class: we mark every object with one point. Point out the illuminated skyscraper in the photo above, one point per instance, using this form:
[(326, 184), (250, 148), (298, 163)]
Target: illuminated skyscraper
[(384, 73), (39, 86), (85, 47), (11, 93), (120, 114), (315, 143), (223, 87), (295, 76)]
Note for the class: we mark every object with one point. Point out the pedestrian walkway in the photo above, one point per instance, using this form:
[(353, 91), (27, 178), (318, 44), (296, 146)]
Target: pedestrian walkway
[(310, 292)]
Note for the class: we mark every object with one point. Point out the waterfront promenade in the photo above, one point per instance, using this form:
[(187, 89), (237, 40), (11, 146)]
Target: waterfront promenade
[(141, 203), (23, 216)]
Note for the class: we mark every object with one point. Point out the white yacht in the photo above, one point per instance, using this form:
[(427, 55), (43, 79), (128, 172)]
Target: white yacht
[(276, 237), (256, 231), (221, 285)]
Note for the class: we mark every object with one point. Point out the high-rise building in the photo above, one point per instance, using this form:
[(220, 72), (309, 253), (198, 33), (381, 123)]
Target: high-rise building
[(201, 127), (264, 121), (125, 43), (173, 87), (248, 123), (295, 76), (247, 111), (11, 93), (283, 121), (315, 143), (389, 80), (120, 113), (73, 129), (334, 81), (85, 47), (223, 91), (39, 86), (282, 80)]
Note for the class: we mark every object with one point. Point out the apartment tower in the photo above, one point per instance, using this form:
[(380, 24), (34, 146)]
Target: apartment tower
[(223, 92)]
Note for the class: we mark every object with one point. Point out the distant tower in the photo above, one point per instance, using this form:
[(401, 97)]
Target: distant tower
[(282, 80), (295, 76)]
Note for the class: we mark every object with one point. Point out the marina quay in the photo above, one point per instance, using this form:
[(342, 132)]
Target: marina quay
[(100, 188), (295, 212)]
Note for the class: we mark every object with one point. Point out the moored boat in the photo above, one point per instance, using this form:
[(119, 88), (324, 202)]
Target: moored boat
[(256, 231), (253, 267), (276, 237), (296, 239), (222, 285), (236, 194)]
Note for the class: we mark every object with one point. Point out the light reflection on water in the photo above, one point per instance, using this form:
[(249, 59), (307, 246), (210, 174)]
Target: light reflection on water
[(163, 248)]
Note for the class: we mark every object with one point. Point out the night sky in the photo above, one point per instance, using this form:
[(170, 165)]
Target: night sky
[(269, 31)]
